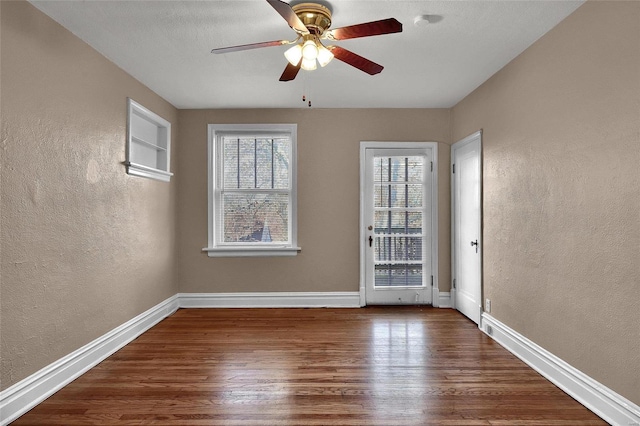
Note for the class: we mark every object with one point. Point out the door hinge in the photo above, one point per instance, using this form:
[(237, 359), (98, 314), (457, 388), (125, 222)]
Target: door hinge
[(432, 166), (454, 168), (454, 283), (431, 280)]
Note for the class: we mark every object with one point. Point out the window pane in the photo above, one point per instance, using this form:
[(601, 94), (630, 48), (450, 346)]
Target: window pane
[(230, 158), (247, 164), (281, 155), (256, 218), (256, 163), (264, 164)]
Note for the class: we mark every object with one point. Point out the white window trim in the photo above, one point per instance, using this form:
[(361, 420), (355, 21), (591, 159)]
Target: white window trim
[(244, 250)]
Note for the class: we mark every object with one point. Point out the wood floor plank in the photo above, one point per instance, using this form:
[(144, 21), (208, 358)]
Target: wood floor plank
[(395, 366)]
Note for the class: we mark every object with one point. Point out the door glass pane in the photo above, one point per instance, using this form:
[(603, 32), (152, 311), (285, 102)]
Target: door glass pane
[(398, 249), (398, 195), (398, 275), (398, 220), (394, 222), (398, 169)]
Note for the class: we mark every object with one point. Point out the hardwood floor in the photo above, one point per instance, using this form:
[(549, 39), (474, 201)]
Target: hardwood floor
[(371, 366)]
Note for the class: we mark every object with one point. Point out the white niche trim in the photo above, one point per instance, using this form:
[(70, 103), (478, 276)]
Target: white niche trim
[(148, 143)]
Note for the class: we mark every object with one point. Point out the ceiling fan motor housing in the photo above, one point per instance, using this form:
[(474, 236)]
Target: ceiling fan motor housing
[(315, 17)]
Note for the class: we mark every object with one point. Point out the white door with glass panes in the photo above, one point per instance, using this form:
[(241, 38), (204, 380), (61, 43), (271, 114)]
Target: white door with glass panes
[(398, 225)]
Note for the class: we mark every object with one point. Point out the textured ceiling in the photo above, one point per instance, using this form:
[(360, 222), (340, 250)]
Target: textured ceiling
[(166, 45)]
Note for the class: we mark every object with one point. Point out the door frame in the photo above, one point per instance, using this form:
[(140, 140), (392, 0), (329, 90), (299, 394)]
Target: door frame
[(462, 142), (433, 146)]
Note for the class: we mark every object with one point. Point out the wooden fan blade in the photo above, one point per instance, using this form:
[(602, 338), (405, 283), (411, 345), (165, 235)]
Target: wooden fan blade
[(288, 14), (290, 72), (385, 26), (354, 60), (249, 46)]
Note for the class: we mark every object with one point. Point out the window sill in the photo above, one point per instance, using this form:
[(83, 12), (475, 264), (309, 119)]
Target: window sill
[(251, 251)]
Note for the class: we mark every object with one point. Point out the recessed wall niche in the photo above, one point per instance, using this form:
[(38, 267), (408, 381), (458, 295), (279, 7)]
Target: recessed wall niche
[(148, 143)]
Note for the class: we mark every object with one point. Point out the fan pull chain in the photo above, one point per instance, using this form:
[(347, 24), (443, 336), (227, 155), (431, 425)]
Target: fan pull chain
[(305, 98)]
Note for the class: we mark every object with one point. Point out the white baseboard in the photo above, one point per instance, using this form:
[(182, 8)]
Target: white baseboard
[(604, 402), (340, 299), (444, 300), (26, 394)]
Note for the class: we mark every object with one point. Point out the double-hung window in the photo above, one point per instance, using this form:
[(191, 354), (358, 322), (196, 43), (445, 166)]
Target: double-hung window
[(252, 190)]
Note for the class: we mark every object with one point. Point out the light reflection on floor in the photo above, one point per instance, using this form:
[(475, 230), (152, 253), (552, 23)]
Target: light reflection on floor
[(397, 346)]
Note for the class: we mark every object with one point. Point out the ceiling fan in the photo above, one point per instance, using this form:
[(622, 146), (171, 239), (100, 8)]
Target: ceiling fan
[(311, 22)]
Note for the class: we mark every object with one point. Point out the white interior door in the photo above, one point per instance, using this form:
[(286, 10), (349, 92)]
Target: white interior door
[(397, 223), (466, 187)]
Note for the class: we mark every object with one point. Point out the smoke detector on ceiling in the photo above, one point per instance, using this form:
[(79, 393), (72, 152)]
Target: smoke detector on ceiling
[(421, 20), (424, 20)]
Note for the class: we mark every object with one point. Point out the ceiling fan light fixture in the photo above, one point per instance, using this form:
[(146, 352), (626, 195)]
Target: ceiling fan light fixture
[(294, 54), (311, 22), (308, 64), (310, 50), (324, 55)]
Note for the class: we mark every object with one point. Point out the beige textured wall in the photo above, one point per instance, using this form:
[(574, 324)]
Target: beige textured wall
[(84, 247), (328, 197), (562, 191)]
